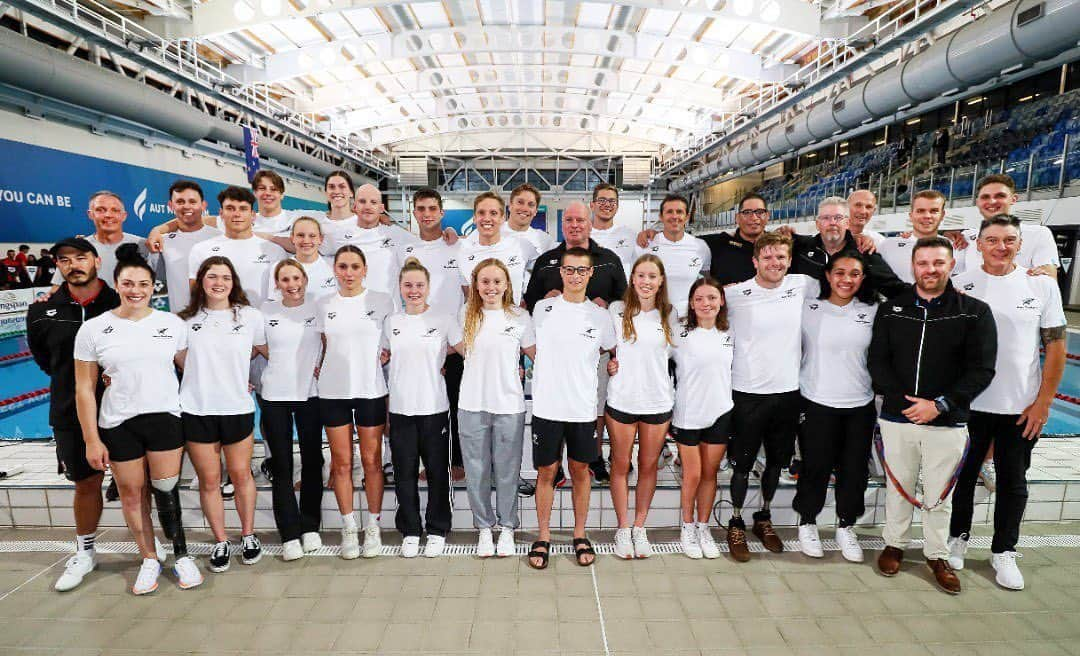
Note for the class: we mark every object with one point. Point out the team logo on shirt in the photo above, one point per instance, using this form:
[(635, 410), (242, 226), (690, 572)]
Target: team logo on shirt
[(511, 331), (431, 332), (695, 263), (370, 313), (591, 333), (861, 318), (310, 321), (513, 261), (1028, 304), (968, 287), (163, 333), (237, 328), (348, 235), (328, 283), (471, 257), (727, 340), (108, 329), (788, 293), (387, 243), (619, 244), (262, 258), (450, 264), (52, 313), (331, 315), (273, 323)]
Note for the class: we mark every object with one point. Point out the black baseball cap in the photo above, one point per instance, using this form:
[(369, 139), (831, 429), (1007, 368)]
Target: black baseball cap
[(78, 243)]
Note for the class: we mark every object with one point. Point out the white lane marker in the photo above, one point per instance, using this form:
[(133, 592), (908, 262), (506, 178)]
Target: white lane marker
[(599, 609)]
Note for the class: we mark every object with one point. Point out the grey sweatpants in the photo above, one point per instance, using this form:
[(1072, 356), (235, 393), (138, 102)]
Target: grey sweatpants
[(491, 452)]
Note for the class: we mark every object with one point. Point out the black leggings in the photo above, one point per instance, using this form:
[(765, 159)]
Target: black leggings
[(455, 368), (413, 438), (294, 519), (834, 439)]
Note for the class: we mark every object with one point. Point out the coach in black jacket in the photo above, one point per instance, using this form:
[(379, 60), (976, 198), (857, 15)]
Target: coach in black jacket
[(933, 350)]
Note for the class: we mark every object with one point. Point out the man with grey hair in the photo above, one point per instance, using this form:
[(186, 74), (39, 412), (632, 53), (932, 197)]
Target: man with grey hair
[(106, 211), (862, 203)]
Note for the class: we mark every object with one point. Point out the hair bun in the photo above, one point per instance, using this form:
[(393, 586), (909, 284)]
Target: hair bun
[(129, 254)]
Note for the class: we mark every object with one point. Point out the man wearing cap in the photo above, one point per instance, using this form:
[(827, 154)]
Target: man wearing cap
[(50, 327)]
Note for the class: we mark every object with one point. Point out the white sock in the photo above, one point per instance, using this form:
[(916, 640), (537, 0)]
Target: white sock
[(85, 542), (348, 520), (703, 526), (373, 519)]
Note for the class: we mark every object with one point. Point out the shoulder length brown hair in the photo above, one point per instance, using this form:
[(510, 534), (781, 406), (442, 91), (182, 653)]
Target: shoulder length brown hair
[(237, 297), (691, 320), (632, 305)]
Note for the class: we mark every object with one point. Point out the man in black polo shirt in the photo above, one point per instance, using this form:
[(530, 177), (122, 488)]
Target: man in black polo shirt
[(50, 329), (733, 254)]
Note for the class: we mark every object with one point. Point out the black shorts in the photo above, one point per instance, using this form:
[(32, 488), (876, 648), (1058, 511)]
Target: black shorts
[(763, 419), (227, 429), (627, 418), (345, 412), (549, 436), (71, 454), (158, 431), (718, 433)]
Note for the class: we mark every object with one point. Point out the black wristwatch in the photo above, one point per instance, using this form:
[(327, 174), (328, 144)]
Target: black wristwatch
[(941, 404)]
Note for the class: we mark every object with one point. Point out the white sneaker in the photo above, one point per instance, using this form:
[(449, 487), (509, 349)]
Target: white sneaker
[(76, 569), (292, 550), (311, 542), (707, 543), (1008, 574), (410, 546), (372, 540), (957, 550), (350, 542), (809, 541), (988, 475), (688, 539), (642, 548), (624, 544), (506, 546), (849, 544), (434, 546), (159, 550), (485, 546), (187, 573), (146, 581)]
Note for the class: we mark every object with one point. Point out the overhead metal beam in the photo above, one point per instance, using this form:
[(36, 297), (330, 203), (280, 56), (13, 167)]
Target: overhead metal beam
[(527, 143), (509, 39)]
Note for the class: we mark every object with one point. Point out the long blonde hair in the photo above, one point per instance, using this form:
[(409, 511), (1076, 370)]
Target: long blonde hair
[(632, 305), (474, 305)]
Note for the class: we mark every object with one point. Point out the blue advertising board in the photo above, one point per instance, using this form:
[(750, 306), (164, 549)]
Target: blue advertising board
[(43, 192)]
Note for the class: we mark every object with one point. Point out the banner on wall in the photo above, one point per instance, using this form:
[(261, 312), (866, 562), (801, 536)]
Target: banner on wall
[(43, 192)]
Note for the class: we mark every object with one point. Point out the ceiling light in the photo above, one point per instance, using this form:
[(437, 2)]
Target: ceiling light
[(328, 56), (744, 7), (271, 7), (243, 11)]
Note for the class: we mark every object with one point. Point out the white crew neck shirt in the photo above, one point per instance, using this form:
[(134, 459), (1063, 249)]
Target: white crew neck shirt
[(684, 262), (281, 224), (703, 360), (768, 325), (896, 251), (621, 240), (876, 236), (1037, 248), (1021, 305), (175, 255), (835, 343), (642, 385), (569, 338), (137, 356), (353, 327), (539, 239), (441, 261), (379, 245), (320, 280), (107, 253), (253, 258), (515, 253), (490, 382), (294, 344), (418, 346), (218, 361)]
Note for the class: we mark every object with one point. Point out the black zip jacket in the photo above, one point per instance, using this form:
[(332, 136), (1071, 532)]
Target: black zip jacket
[(732, 257), (930, 349), (810, 258), (608, 280), (50, 332)]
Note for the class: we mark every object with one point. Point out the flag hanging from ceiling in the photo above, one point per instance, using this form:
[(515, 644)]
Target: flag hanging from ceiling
[(251, 152)]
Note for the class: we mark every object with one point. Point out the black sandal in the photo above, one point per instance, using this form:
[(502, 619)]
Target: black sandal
[(587, 551), (542, 555)]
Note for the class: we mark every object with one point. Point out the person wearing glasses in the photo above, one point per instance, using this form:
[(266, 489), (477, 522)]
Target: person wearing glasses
[(685, 257), (616, 238), (733, 254)]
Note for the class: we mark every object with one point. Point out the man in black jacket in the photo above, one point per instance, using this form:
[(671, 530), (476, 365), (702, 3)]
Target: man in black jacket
[(733, 254), (932, 352), (50, 328)]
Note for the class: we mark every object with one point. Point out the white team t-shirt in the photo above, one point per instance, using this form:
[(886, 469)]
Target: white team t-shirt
[(515, 253), (280, 225), (137, 356), (418, 346), (379, 245), (569, 338), (490, 382), (684, 262), (353, 326), (874, 235), (175, 255), (1021, 305), (441, 261), (107, 253), (320, 281), (896, 251), (540, 240), (218, 361), (703, 360), (253, 258), (1037, 248), (835, 343), (767, 322), (622, 241), (642, 385), (294, 343)]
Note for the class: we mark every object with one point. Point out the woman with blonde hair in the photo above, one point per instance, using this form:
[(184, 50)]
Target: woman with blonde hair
[(491, 335)]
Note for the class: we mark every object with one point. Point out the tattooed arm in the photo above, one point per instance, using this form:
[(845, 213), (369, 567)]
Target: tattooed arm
[(1035, 415)]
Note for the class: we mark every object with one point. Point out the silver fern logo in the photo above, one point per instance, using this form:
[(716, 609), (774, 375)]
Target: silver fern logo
[(140, 204)]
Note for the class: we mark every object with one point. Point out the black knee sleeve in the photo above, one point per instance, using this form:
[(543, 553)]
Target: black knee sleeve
[(168, 507)]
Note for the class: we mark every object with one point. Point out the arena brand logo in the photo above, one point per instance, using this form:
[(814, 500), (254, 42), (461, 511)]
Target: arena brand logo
[(814, 306), (196, 327), (471, 258), (408, 249), (214, 249), (901, 244), (685, 332), (50, 313), (108, 329), (331, 315), (861, 318), (747, 292), (510, 331), (548, 309), (370, 313), (171, 235), (619, 244), (968, 287), (273, 323), (396, 331), (655, 249), (897, 308)]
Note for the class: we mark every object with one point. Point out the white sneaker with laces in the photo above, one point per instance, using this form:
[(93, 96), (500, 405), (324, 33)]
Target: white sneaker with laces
[(810, 541), (350, 542), (688, 539), (410, 546), (849, 544), (311, 541), (506, 546), (485, 546), (1008, 574), (159, 550), (292, 550), (434, 546), (187, 573), (146, 581), (642, 548), (708, 544), (75, 570), (624, 544), (988, 475), (957, 550), (372, 540)]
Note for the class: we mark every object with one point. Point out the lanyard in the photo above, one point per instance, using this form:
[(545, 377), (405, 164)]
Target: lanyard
[(879, 445)]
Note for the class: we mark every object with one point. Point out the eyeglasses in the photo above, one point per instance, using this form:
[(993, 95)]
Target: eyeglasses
[(581, 270), (609, 202), (759, 213), (832, 218)]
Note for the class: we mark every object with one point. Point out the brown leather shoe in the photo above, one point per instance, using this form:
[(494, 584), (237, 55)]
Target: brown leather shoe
[(888, 563), (736, 542), (944, 575), (763, 529)]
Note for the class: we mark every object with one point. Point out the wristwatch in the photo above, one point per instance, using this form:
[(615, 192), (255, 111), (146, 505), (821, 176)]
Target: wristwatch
[(941, 404)]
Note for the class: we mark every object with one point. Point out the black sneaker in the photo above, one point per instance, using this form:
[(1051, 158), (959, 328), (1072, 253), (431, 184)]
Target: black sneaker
[(252, 549), (526, 488), (112, 493), (600, 472), (220, 557), (266, 467), (388, 474), (560, 478), (227, 489)]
